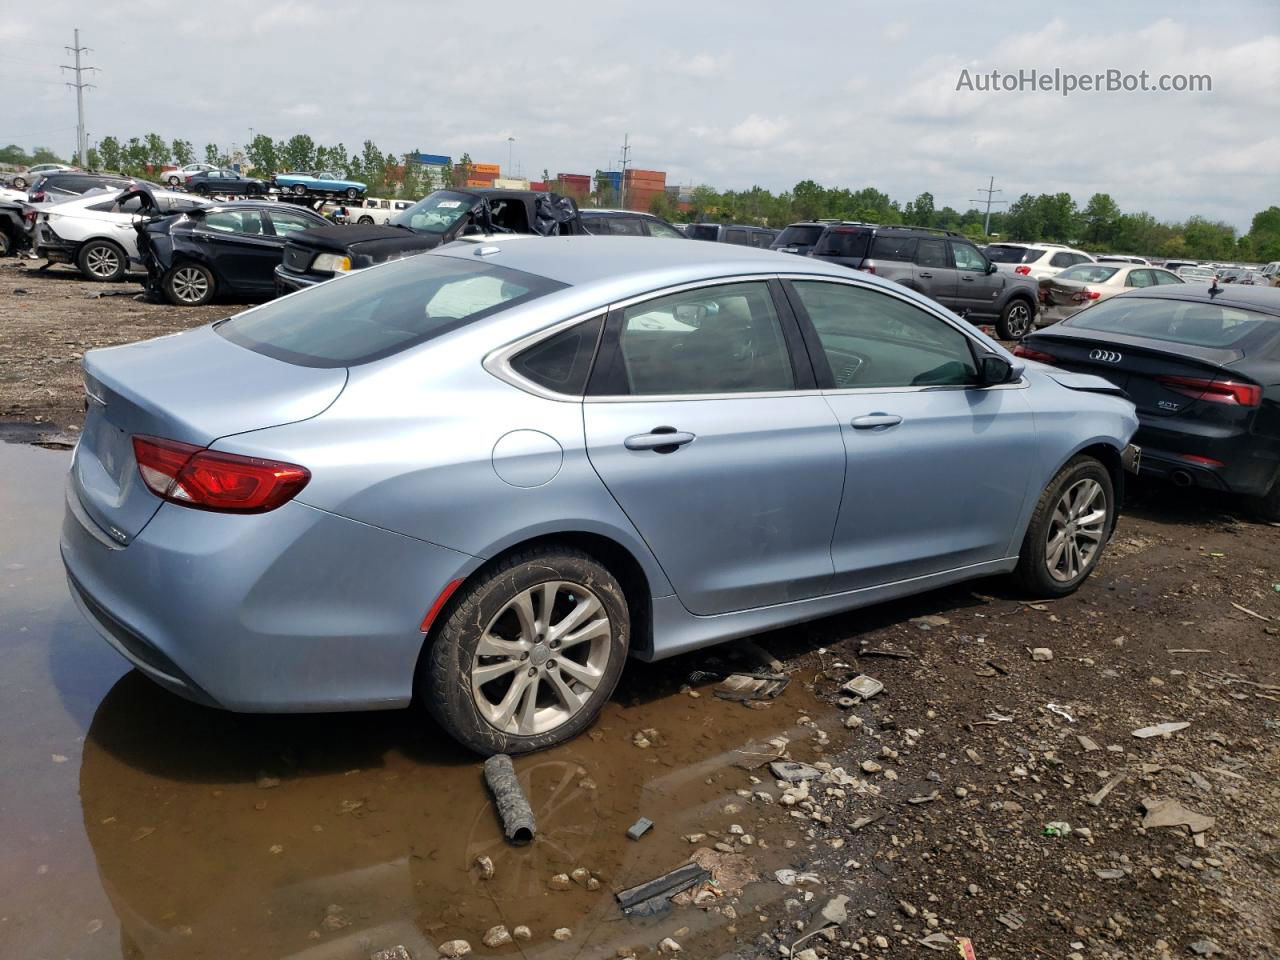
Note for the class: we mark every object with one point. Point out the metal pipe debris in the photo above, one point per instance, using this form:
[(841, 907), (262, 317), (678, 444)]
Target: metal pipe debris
[(513, 808)]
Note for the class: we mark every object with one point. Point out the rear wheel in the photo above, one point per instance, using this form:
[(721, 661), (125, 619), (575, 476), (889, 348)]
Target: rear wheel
[(5, 244), (253, 190), (1016, 320), (353, 193), (1068, 529), (529, 653), (189, 285), (102, 260), (175, 181), (299, 189), (366, 220), (19, 183)]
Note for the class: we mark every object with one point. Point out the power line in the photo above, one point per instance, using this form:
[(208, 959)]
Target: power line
[(79, 86), (989, 191)]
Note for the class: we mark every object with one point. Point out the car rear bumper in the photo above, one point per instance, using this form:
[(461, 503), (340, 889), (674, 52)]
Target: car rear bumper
[(294, 610), (1236, 463), (52, 247)]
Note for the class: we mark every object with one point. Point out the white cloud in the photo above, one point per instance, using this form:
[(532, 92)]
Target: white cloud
[(895, 31), (702, 64)]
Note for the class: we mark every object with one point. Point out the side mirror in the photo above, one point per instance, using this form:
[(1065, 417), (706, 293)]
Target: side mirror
[(994, 369), (991, 267)]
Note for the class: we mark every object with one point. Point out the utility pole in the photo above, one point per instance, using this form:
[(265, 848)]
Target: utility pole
[(82, 144), (622, 185), (511, 151), (990, 191)]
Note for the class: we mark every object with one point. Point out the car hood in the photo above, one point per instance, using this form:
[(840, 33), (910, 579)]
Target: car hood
[(367, 244)]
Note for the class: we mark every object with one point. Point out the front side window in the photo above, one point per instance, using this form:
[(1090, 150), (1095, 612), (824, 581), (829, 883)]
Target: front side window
[(702, 231), (872, 339), (372, 314), (967, 257), (624, 226), (1139, 278), (720, 339), (1062, 260)]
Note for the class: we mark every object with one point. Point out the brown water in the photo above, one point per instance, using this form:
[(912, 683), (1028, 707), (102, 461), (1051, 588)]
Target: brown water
[(134, 824)]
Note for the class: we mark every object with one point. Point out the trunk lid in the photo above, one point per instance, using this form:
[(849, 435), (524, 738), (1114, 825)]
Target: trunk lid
[(194, 387), (1136, 365)]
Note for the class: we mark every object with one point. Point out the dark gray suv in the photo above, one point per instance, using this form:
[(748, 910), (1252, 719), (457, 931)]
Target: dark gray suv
[(942, 265)]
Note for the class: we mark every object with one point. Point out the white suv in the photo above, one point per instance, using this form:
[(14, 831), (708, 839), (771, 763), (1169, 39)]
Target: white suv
[(1039, 261), (95, 232)]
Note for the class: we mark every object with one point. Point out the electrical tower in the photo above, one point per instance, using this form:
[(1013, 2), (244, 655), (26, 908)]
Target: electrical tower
[(626, 157), (82, 141), (990, 191)]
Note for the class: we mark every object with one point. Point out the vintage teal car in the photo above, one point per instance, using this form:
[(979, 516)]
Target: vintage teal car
[(324, 182)]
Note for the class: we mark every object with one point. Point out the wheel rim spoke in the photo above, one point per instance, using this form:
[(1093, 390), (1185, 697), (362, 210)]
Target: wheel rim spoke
[(1076, 529), (504, 711), (529, 708), (592, 631), (562, 690), (491, 646), (586, 676), (492, 671), (523, 608), (574, 618)]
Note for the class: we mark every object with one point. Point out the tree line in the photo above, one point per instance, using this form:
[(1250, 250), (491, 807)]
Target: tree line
[(1100, 226)]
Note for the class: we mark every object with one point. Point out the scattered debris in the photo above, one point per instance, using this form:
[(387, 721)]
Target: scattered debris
[(522, 933), (398, 952), (927, 798), (1160, 730), (729, 872), (752, 686), (513, 807), (1205, 948), (562, 934), (484, 866), (560, 882), (1250, 612), (1109, 873), (267, 783), (654, 896), (1188, 650), (669, 947), (893, 653), (1013, 920), (1060, 711), (498, 936), (863, 686), (1164, 812), (930, 621), (834, 913), (791, 878), (454, 948), (791, 771), (1041, 654), (937, 941), (639, 828), (1057, 828), (965, 946), (1087, 744), (1095, 799)]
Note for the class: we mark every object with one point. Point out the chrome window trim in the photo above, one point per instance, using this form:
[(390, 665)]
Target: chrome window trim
[(498, 362)]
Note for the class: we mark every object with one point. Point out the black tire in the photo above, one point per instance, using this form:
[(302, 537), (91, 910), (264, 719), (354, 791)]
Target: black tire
[(175, 181), (353, 193), (1267, 506), (6, 245), (189, 285), (200, 190), (366, 220), (19, 183), (298, 189), (1033, 570), (253, 190), (1017, 319), (102, 260), (485, 606)]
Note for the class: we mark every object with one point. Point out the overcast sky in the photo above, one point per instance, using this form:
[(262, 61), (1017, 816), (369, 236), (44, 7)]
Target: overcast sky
[(731, 94)]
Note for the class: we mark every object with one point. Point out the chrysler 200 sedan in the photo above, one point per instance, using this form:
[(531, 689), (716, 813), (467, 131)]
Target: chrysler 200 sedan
[(485, 476)]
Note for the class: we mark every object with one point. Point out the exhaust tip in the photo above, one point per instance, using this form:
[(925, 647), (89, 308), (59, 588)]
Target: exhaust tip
[(1182, 478)]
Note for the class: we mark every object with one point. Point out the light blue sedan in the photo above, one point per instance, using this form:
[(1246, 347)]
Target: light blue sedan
[(325, 182), (487, 475)]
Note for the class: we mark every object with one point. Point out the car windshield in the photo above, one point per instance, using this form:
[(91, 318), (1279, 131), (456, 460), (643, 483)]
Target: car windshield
[(1174, 321), (806, 235), (435, 213), (1008, 253), (375, 313), (1088, 273)]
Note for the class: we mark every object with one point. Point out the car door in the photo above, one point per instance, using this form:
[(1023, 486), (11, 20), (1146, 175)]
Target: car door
[(702, 420), (934, 276), (239, 247), (938, 468), (976, 290)]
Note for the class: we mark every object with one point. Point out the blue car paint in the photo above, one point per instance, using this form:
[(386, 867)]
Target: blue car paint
[(316, 605)]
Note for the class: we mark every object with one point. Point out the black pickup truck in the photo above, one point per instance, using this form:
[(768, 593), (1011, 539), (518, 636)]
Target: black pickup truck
[(313, 256)]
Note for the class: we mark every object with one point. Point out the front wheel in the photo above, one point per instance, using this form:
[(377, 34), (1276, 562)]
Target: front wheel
[(529, 653), (353, 193), (189, 285), (6, 246), (102, 260), (1016, 320), (366, 221), (299, 189), (1068, 530), (174, 181), (19, 183)]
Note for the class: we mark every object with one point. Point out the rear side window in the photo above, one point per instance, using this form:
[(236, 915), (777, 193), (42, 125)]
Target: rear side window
[(802, 234), (1174, 321), (623, 227), (371, 314), (1062, 260), (893, 248), (1006, 253), (702, 231), (844, 242), (739, 237), (931, 253), (561, 363)]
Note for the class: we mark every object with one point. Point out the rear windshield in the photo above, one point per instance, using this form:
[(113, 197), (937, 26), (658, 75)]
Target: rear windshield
[(1173, 321), (374, 313), (844, 242), (1008, 253), (702, 231), (1088, 273), (798, 234)]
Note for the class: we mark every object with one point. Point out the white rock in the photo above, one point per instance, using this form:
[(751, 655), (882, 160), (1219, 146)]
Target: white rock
[(454, 948)]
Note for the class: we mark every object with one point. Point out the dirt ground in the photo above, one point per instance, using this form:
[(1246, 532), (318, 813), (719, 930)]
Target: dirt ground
[(933, 807)]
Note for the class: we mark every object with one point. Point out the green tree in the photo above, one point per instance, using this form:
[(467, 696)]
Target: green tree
[(13, 154), (919, 212), (261, 154), (462, 170), (156, 150), (93, 158), (183, 152), (111, 152), (211, 153), (135, 155), (299, 153), (1100, 215)]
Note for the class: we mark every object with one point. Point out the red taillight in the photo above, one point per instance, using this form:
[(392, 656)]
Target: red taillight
[(1022, 270), (1229, 392), (1037, 355), (1085, 295), (209, 480)]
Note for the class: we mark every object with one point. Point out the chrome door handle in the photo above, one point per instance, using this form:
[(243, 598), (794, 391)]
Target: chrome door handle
[(659, 439), (871, 421), (926, 276), (967, 279)]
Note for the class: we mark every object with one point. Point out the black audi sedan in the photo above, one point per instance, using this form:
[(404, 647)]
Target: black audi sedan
[(1202, 365), (228, 249), (226, 182)]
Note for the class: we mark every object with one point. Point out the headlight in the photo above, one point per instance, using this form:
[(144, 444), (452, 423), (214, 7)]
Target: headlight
[(331, 263)]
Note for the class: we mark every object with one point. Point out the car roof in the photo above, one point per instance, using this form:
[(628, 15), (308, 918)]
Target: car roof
[(1263, 299)]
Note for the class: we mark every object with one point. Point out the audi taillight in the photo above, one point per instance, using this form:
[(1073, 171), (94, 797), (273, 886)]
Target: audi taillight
[(1037, 355), (194, 476), (1022, 270), (1231, 392)]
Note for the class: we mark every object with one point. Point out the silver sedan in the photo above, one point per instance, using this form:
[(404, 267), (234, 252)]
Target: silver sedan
[(485, 476)]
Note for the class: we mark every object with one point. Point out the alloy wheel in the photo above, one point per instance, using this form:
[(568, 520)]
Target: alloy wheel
[(1019, 321), (103, 261), (1076, 529), (541, 658), (189, 285)]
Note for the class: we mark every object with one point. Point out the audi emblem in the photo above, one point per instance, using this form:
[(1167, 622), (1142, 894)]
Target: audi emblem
[(1107, 356)]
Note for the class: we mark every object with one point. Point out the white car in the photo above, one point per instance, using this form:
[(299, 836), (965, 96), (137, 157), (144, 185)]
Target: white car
[(1039, 261), (1078, 287), (179, 177), (370, 209), (95, 232), (30, 175), (1195, 274)]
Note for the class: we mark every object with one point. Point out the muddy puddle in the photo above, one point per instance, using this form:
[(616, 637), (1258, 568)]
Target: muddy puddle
[(134, 824)]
